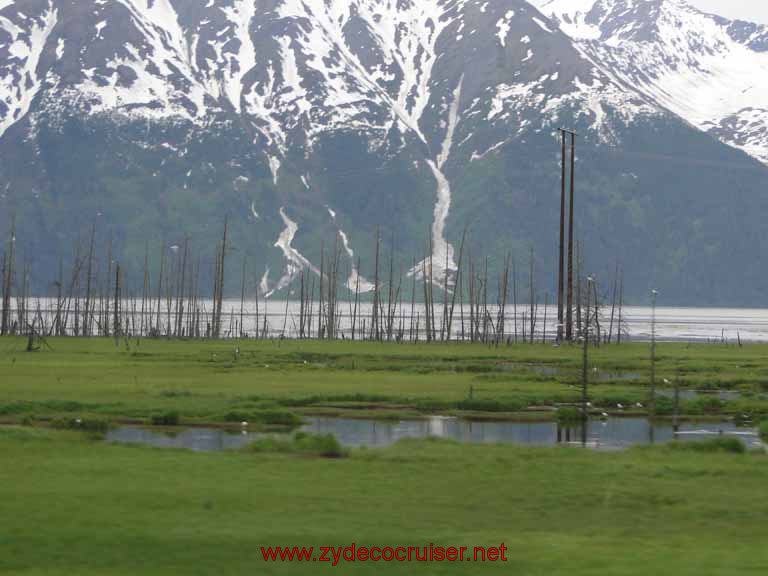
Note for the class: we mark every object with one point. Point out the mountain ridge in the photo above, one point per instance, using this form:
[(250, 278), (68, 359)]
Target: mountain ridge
[(314, 119)]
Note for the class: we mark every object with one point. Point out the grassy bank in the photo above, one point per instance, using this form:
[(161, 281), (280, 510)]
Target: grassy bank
[(71, 505), (269, 382)]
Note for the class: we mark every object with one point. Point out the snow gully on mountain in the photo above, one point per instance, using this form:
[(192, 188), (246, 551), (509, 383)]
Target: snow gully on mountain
[(443, 259)]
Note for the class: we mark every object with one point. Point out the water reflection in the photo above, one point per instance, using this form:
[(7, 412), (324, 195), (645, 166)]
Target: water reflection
[(197, 439), (610, 434)]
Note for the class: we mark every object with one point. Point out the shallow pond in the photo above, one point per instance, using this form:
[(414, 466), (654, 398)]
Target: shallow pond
[(556, 371), (724, 395), (610, 434)]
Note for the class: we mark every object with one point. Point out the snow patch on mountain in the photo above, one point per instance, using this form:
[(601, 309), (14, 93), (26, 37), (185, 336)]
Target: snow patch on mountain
[(681, 59), (504, 27), (355, 282), (20, 84), (593, 97), (264, 284), (239, 63), (295, 261), (443, 259)]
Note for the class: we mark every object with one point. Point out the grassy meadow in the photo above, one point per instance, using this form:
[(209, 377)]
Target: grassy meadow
[(220, 381), (71, 504)]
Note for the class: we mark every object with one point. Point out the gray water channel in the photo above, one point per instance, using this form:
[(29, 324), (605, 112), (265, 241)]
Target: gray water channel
[(609, 434), (280, 318)]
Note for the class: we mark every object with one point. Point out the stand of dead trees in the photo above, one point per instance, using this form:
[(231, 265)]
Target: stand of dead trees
[(426, 301)]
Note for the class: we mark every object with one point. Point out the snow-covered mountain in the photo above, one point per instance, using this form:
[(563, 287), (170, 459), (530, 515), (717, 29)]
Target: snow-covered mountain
[(308, 120), (711, 71)]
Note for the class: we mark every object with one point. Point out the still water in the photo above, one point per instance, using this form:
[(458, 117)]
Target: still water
[(275, 318), (610, 434)]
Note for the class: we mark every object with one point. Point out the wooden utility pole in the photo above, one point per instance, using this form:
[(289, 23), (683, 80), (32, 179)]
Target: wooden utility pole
[(652, 399), (585, 375), (561, 269), (569, 311)]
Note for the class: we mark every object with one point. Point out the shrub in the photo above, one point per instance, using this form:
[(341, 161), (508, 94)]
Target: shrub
[(170, 418), (433, 405), (266, 417), (764, 430), (345, 398), (719, 444), (98, 425), (325, 445), (665, 405), (612, 399), (706, 405), (568, 415), (175, 393), (487, 405), (22, 407)]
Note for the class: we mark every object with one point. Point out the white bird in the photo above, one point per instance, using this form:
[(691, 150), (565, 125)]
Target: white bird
[(620, 406), (605, 414), (78, 421), (244, 424), (639, 405), (666, 381), (589, 404)]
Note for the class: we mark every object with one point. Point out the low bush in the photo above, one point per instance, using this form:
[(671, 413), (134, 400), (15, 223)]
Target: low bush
[(170, 418), (266, 417), (325, 445), (664, 406), (705, 405), (568, 415), (175, 393), (98, 425), (488, 405), (23, 407), (719, 444), (433, 405), (359, 398)]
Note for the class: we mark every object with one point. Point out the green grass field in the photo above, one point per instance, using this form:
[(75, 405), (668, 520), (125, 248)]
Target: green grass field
[(71, 504), (206, 381)]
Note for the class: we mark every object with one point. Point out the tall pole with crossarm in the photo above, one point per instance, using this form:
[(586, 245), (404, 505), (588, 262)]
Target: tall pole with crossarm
[(561, 269), (569, 304)]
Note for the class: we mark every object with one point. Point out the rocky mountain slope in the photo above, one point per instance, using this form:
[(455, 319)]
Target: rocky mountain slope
[(306, 121)]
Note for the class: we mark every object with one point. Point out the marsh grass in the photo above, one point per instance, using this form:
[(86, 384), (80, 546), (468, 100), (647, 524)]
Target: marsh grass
[(168, 418), (195, 379), (568, 415), (324, 445), (85, 423), (719, 444), (79, 507), (277, 417)]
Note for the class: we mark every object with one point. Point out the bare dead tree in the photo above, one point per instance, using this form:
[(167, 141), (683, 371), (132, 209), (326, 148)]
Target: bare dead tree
[(532, 295), (457, 282), (8, 263), (613, 301)]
